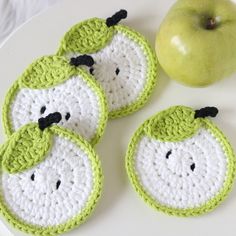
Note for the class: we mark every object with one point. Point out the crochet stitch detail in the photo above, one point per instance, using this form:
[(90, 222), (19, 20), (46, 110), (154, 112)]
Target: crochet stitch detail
[(185, 177), (46, 72), (26, 148), (57, 194), (86, 37), (76, 94), (116, 18), (131, 56), (124, 50), (174, 124), (82, 60)]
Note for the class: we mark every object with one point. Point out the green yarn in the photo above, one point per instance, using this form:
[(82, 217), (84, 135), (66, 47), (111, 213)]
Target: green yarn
[(6, 117), (174, 124), (86, 211), (26, 148), (96, 39), (46, 72), (86, 37), (205, 123), (3, 148)]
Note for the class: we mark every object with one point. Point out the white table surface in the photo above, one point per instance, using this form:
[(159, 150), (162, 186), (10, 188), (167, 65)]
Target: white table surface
[(120, 210)]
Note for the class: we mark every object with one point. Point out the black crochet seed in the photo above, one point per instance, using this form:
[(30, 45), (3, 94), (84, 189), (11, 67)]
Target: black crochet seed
[(67, 117), (206, 111), (45, 122), (117, 71), (32, 177), (58, 184), (168, 154), (43, 109), (82, 60), (192, 167), (116, 18)]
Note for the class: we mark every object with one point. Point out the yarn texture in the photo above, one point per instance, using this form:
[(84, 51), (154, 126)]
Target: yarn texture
[(55, 194), (180, 165), (125, 64), (27, 147), (51, 84), (173, 124), (86, 37)]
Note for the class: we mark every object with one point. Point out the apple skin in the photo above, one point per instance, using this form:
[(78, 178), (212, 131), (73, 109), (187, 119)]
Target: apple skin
[(188, 51)]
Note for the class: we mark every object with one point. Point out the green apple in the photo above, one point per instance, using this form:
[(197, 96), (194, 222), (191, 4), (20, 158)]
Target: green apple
[(196, 42)]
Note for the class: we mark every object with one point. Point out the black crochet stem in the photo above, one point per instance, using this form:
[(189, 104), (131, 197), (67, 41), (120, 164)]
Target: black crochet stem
[(47, 121), (81, 60), (206, 111), (116, 18)]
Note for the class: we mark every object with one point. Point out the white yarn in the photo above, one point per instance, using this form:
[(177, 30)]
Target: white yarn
[(38, 202), (127, 55), (73, 96), (171, 181)]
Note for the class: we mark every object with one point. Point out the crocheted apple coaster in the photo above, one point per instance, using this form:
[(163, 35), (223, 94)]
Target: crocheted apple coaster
[(54, 84), (180, 162), (50, 178), (125, 63)]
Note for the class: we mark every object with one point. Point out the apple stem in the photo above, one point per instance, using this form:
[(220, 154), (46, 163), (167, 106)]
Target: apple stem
[(81, 60), (210, 23)]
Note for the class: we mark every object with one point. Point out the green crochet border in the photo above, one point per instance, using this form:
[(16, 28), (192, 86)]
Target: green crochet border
[(11, 94), (27, 147), (152, 73), (93, 199), (153, 65), (86, 37), (210, 205)]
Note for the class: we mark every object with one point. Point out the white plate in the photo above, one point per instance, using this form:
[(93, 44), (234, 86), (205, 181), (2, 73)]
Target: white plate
[(121, 211)]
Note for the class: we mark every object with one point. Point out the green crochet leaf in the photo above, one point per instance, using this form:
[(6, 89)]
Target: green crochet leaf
[(3, 148), (86, 37), (46, 72), (173, 125), (26, 148)]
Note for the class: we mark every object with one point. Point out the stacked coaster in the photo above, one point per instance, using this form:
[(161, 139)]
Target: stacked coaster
[(53, 84), (50, 178), (56, 111), (180, 163), (125, 64)]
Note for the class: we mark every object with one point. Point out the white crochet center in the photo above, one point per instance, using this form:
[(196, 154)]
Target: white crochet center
[(129, 57), (73, 96), (38, 202), (171, 182)]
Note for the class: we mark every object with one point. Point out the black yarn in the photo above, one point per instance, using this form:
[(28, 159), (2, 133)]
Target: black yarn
[(43, 109), (58, 184), (32, 177), (67, 117), (45, 122), (206, 111), (192, 167), (91, 70), (168, 154), (116, 18), (117, 71), (85, 60)]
